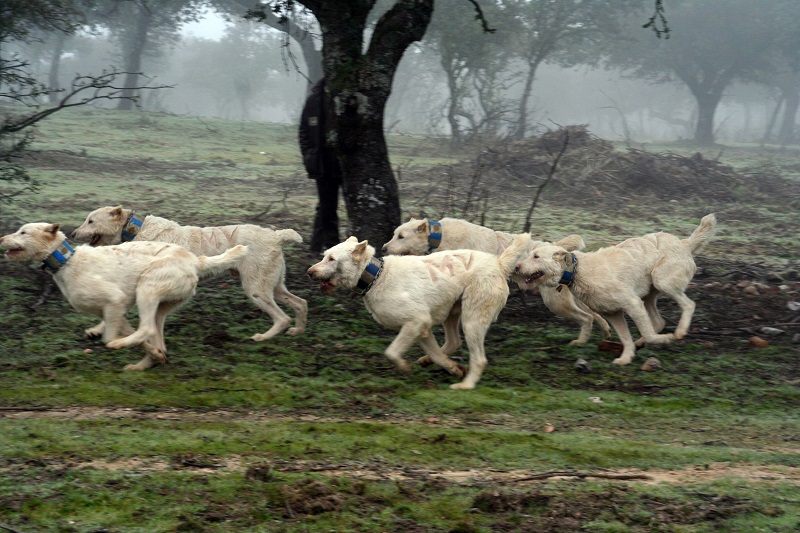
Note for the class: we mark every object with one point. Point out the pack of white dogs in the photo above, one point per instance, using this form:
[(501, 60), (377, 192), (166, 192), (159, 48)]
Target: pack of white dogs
[(447, 272)]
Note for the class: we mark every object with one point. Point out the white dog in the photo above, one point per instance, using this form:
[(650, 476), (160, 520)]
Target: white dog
[(419, 237), (262, 271), (626, 278), (413, 294), (106, 282)]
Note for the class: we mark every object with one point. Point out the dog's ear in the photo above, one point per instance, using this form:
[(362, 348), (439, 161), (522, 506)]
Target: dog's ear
[(52, 229), (360, 250), (560, 255), (116, 212), (423, 227), (351, 238)]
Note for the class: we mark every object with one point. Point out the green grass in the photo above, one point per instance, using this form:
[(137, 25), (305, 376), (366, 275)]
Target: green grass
[(230, 434)]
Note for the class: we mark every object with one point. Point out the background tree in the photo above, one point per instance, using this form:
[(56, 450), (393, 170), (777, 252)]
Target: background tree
[(564, 32), (476, 68), (359, 68), (712, 43), (145, 26), (302, 31)]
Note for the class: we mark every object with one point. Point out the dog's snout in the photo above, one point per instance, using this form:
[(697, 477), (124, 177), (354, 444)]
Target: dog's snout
[(310, 272), (383, 248)]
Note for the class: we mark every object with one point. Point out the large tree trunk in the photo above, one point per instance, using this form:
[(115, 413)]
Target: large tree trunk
[(706, 108), (522, 125), (55, 63), (133, 48), (359, 86)]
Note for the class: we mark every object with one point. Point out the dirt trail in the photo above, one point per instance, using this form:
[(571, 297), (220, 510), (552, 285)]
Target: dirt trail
[(370, 470)]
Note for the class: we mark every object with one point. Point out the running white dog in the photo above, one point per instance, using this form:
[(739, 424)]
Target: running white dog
[(626, 278), (413, 294), (262, 271), (106, 282), (419, 237)]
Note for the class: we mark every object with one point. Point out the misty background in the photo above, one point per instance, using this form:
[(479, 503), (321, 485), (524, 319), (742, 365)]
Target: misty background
[(221, 65)]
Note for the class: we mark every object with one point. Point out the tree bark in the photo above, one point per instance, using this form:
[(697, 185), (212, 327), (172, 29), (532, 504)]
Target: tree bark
[(522, 125), (133, 50), (786, 134), (359, 86), (55, 64), (706, 108)]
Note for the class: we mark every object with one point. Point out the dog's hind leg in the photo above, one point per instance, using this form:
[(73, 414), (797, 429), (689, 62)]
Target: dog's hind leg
[(475, 334), (687, 311), (261, 293), (436, 355), (298, 305), (147, 331), (651, 306), (452, 337)]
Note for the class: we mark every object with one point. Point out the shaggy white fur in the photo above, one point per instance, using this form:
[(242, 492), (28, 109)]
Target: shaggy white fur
[(412, 238), (413, 294), (625, 279), (106, 282), (262, 272)]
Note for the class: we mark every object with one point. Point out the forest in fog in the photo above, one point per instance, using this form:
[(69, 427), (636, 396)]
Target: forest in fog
[(727, 70)]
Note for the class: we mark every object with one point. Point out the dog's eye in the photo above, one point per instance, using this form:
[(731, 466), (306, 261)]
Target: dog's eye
[(330, 259), (399, 237), (536, 256), (91, 222), (22, 233)]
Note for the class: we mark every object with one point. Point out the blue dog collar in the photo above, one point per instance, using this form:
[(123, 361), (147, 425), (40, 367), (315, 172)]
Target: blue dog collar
[(131, 229), (368, 277), (58, 258), (570, 269), (434, 235)]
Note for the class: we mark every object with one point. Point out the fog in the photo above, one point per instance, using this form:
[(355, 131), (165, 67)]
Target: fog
[(240, 70)]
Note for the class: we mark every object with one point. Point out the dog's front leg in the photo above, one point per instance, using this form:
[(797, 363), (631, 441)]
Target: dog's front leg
[(96, 332), (152, 356), (408, 334), (617, 321), (113, 321), (436, 355)]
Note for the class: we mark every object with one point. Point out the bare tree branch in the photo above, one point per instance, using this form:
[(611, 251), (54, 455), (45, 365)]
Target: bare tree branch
[(479, 16)]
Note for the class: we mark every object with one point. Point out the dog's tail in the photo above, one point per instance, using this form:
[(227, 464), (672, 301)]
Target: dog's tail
[(510, 257), (702, 234), (571, 243), (288, 235), (216, 264)]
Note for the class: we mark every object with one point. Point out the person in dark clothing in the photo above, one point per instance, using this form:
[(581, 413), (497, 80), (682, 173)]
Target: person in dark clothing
[(323, 166)]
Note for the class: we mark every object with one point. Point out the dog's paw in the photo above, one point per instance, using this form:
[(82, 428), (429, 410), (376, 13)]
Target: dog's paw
[(462, 386), (458, 371), (116, 344), (402, 366), (295, 331), (424, 361), (94, 333), (134, 368), (622, 361), (577, 342)]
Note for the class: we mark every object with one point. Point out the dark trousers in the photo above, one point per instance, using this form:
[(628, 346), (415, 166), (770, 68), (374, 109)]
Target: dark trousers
[(326, 222)]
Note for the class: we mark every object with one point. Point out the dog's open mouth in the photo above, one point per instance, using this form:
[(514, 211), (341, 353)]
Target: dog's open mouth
[(95, 239), (10, 252), (326, 286), (533, 277)]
